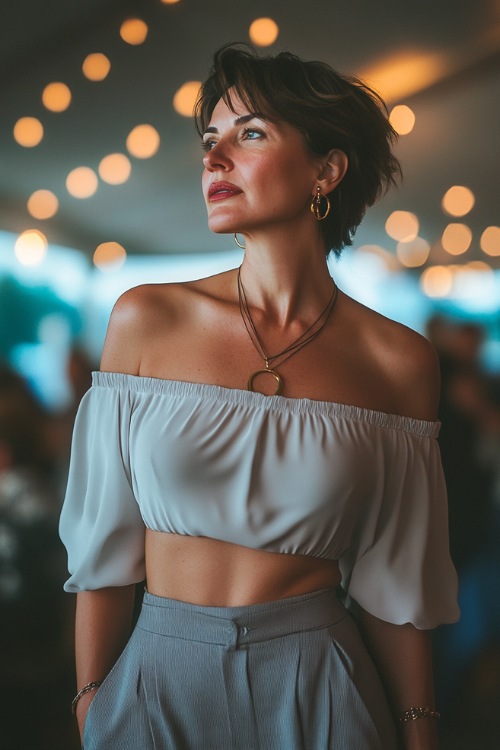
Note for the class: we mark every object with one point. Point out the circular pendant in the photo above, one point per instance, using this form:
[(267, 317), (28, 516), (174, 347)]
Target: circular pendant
[(273, 373)]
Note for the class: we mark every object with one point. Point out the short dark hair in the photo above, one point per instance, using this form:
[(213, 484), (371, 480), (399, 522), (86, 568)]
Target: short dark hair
[(331, 110)]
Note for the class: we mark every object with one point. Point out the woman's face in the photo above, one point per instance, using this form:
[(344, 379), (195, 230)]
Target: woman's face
[(258, 171)]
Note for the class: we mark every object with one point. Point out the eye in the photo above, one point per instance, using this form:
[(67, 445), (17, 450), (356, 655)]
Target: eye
[(208, 144), (252, 134)]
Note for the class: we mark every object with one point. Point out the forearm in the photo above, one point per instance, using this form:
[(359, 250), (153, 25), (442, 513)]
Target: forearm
[(403, 657), (102, 628)]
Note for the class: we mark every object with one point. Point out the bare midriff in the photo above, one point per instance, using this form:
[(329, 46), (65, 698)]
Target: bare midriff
[(213, 573)]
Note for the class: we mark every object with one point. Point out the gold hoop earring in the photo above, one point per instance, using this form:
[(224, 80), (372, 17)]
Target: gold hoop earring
[(316, 205), (243, 247)]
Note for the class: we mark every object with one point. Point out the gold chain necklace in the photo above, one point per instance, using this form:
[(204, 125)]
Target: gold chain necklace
[(275, 360)]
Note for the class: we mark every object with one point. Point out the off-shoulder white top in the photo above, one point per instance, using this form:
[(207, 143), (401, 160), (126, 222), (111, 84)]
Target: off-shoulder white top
[(285, 475)]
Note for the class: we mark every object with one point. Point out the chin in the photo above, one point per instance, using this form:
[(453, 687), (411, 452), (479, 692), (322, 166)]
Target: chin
[(221, 227), (221, 231)]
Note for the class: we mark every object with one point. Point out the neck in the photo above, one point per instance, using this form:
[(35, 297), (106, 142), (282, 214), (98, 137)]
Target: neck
[(286, 278)]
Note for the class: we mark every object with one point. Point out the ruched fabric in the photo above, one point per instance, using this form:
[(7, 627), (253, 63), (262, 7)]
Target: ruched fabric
[(290, 476)]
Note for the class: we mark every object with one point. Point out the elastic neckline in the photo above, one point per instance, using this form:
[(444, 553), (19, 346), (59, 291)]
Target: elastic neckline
[(283, 404)]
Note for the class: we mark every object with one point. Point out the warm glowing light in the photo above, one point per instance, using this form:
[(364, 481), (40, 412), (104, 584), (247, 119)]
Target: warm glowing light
[(458, 200), (169, 2), (437, 281), (115, 169), (404, 74), (414, 253), (490, 241), (109, 256), (143, 141), (185, 98), (28, 131), (56, 97), (402, 119), (456, 239), (43, 204), (479, 266), (81, 182), (134, 31), (263, 31), (402, 226), (96, 66), (30, 247)]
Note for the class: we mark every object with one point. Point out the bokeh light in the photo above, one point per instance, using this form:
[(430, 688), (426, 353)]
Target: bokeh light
[(456, 238), (414, 253), (143, 141), (169, 2), (403, 74), (134, 31), (28, 131), (31, 247), (185, 98), (115, 169), (490, 241), (402, 226), (437, 281), (263, 31), (109, 256), (81, 182), (458, 200), (402, 119), (43, 204), (56, 97), (96, 66)]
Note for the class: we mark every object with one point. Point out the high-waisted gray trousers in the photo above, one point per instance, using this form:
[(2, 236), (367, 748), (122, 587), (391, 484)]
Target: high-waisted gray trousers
[(286, 675)]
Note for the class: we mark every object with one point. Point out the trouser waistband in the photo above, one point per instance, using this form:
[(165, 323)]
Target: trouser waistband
[(240, 625)]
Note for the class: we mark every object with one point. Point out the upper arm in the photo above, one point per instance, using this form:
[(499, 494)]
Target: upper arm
[(127, 331)]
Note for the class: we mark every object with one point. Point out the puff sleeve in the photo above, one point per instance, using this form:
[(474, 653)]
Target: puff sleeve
[(398, 565), (101, 524)]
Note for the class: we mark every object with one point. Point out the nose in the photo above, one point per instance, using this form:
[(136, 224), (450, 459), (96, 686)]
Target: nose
[(217, 159)]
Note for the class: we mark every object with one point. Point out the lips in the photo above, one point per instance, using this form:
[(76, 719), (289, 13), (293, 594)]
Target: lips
[(221, 190)]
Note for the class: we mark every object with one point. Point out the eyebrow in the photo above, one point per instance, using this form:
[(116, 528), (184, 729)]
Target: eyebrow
[(242, 120)]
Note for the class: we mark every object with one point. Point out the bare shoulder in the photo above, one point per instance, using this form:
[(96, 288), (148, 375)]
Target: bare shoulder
[(135, 316), (415, 368), (148, 313), (407, 359)]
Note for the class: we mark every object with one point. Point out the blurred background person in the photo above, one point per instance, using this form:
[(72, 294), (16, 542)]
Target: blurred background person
[(35, 636), (468, 652)]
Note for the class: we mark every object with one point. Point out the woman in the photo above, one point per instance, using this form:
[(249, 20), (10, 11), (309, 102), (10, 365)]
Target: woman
[(253, 441)]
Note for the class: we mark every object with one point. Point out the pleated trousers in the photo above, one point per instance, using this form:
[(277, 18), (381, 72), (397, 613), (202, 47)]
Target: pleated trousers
[(292, 674)]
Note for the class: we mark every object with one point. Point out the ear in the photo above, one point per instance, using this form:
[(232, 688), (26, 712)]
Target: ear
[(333, 167)]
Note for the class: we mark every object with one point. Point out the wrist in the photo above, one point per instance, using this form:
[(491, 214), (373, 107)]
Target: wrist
[(420, 712), (87, 689), (419, 734)]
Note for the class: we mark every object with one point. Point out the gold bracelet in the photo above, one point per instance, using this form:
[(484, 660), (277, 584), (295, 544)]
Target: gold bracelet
[(85, 689), (419, 713)]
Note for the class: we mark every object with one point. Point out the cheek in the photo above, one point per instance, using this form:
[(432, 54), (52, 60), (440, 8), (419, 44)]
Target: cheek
[(289, 183), (300, 171), (292, 170)]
